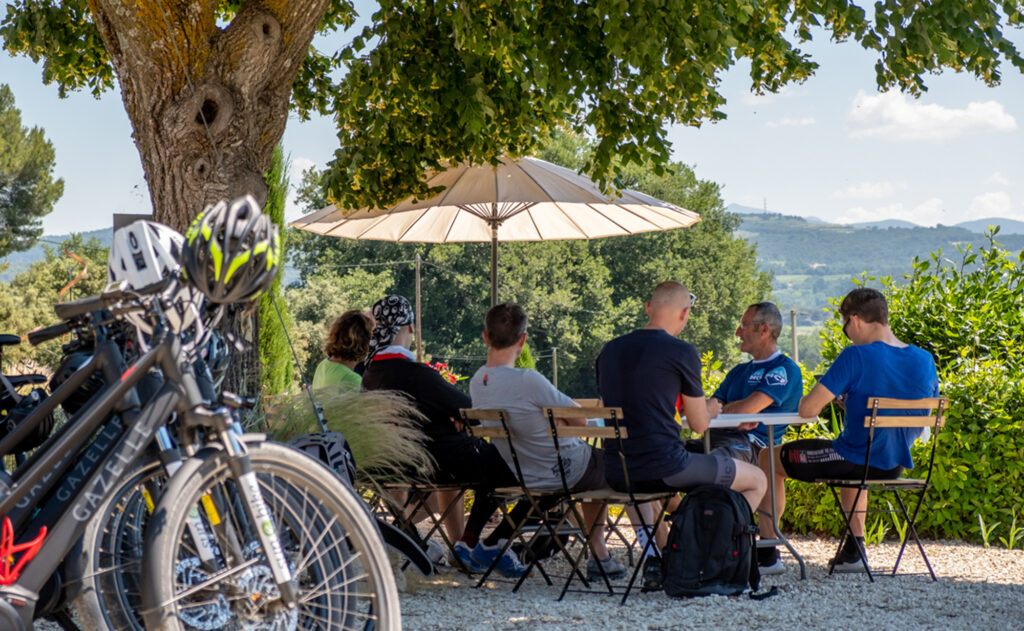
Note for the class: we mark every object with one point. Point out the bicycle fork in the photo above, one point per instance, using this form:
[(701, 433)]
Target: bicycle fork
[(259, 514)]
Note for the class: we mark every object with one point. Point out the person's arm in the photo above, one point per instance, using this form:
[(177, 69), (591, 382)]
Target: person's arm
[(444, 395), (815, 401), (756, 402), (697, 414)]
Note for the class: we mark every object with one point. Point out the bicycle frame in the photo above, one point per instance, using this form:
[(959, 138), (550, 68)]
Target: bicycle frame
[(39, 474)]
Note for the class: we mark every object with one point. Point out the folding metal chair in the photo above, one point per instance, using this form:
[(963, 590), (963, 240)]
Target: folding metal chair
[(541, 502), (628, 498), (404, 511), (933, 416)]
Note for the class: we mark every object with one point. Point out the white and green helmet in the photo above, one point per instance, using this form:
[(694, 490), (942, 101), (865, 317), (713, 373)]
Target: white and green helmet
[(232, 251)]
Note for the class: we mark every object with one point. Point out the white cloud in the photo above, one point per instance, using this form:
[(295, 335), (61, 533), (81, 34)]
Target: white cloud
[(927, 213), (997, 179), (892, 115), (295, 169), (791, 122), (869, 190), (996, 204)]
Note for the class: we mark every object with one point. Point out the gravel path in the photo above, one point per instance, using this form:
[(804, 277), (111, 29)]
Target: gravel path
[(978, 589)]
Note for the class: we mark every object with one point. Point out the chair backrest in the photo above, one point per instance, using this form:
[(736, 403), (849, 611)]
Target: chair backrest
[(472, 419), (936, 416)]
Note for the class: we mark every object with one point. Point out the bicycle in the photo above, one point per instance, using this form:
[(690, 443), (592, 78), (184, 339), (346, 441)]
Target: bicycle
[(178, 393)]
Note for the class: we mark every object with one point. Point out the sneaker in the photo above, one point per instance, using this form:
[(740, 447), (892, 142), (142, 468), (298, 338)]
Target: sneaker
[(652, 574), (846, 562), (509, 564), (465, 556), (435, 552), (770, 564), (612, 569)]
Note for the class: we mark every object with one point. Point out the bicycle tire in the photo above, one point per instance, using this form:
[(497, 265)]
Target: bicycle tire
[(338, 560), (103, 571)]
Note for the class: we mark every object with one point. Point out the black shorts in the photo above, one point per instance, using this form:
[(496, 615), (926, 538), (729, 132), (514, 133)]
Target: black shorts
[(813, 459), (700, 469)]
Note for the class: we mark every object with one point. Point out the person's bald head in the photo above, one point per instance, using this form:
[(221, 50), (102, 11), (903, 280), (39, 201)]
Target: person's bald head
[(669, 307), (671, 294)]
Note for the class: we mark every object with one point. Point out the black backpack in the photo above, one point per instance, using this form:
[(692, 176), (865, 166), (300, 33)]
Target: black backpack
[(711, 545)]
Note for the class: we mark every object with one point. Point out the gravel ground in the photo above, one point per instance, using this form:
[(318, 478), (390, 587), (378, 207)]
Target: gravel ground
[(978, 589)]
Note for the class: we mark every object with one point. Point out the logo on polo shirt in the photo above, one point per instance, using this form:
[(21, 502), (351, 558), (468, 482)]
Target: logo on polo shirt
[(755, 377), (777, 377)]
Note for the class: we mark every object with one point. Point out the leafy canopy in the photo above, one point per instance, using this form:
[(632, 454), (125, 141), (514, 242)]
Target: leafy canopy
[(28, 190), (434, 81)]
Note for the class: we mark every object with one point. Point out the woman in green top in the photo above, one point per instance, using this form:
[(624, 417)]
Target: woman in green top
[(346, 345)]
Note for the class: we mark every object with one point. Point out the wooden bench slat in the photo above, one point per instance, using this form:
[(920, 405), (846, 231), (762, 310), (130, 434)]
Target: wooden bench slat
[(483, 415), (488, 432), (904, 421), (584, 412), (886, 403), (577, 431)]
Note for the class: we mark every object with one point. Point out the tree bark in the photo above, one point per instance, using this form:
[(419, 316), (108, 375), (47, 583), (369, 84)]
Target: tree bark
[(207, 103)]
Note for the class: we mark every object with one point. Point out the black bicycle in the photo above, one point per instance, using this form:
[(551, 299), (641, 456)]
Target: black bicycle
[(241, 553)]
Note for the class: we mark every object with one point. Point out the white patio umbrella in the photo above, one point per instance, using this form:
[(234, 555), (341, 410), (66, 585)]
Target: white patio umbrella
[(518, 200)]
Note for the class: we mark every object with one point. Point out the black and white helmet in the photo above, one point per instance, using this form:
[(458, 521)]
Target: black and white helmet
[(144, 253)]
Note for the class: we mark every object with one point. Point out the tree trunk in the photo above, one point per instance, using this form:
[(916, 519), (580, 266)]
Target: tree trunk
[(207, 104)]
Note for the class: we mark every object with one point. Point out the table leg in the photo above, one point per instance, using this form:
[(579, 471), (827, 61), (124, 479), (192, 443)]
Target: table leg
[(779, 537)]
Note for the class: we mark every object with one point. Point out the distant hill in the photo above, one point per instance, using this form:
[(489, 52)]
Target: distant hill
[(20, 261), (813, 262), (1006, 226), (885, 223)]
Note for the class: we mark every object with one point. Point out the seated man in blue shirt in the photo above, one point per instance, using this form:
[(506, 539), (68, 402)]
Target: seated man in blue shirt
[(644, 373), (770, 383), (876, 364)]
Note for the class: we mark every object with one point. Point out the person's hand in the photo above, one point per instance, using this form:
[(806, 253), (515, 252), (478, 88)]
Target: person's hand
[(841, 401), (458, 424), (747, 426), (714, 407)]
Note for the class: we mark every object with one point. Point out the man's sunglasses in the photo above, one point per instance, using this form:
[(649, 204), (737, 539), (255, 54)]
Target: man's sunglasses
[(693, 300)]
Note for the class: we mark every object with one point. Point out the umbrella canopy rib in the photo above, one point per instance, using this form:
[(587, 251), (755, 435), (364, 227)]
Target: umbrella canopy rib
[(647, 221)]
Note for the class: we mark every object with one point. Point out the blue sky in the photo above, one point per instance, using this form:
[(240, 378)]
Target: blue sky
[(832, 148)]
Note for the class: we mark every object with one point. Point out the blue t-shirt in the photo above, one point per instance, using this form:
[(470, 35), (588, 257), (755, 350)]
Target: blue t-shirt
[(879, 370), (778, 377), (644, 372)]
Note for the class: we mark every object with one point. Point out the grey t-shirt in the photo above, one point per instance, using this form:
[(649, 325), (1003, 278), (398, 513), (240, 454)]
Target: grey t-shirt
[(524, 394)]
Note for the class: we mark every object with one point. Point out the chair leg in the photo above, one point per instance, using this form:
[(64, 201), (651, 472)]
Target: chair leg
[(912, 531), (614, 529), (848, 521), (650, 542)]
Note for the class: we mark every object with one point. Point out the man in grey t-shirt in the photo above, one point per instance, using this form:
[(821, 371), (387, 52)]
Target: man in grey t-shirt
[(524, 394)]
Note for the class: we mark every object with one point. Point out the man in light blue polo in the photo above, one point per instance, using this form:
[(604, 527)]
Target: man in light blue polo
[(769, 383)]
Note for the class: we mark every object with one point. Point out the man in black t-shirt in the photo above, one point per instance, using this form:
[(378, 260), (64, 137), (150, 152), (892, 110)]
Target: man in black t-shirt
[(645, 373)]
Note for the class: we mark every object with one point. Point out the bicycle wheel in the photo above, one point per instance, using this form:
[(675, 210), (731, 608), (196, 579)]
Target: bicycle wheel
[(334, 552), (103, 570)]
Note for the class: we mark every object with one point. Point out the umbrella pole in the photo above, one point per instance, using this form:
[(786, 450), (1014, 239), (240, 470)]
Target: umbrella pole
[(494, 264)]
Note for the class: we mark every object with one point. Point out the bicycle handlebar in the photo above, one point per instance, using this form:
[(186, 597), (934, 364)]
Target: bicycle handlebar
[(35, 338), (83, 306)]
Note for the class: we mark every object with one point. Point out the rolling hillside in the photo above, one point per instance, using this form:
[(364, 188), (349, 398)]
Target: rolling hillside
[(815, 261)]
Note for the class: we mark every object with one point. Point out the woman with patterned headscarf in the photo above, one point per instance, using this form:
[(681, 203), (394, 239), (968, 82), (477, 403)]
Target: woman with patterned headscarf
[(460, 459)]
